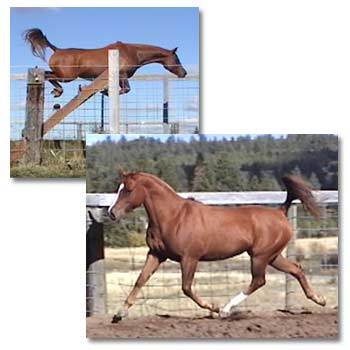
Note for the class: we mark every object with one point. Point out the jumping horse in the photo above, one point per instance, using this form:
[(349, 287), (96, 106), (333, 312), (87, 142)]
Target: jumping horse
[(69, 64), (189, 231)]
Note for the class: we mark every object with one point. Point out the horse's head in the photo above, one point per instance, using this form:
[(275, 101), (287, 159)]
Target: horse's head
[(172, 64), (130, 195)]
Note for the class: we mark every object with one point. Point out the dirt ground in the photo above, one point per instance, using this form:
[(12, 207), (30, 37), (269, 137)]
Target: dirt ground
[(277, 325)]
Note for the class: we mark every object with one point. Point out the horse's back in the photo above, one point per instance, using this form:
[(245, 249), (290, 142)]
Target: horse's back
[(84, 63)]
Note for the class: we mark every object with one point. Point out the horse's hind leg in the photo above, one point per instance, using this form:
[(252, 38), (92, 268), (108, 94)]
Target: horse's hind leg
[(151, 265), (188, 269), (53, 79), (258, 271), (283, 264)]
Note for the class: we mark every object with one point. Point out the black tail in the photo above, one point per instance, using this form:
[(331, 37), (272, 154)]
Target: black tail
[(38, 42), (298, 189)]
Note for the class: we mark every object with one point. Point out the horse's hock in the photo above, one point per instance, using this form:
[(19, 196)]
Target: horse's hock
[(156, 104)]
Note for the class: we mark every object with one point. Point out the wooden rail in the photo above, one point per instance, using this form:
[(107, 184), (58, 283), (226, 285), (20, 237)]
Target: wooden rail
[(222, 198)]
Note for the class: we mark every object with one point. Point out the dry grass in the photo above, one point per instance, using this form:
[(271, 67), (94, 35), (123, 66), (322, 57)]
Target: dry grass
[(216, 282)]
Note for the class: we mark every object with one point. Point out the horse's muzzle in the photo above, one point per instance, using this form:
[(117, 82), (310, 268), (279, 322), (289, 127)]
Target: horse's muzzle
[(116, 215), (112, 216)]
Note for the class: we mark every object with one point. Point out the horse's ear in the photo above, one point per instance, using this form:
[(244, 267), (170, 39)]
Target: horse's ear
[(121, 171), (174, 50)]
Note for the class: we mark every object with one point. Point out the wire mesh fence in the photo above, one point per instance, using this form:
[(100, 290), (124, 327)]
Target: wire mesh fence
[(315, 247), (142, 109), (159, 103)]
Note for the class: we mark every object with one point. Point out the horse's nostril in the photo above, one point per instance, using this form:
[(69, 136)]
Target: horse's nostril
[(111, 215)]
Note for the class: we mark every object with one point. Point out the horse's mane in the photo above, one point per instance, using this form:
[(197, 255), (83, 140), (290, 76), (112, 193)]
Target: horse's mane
[(140, 47), (157, 179)]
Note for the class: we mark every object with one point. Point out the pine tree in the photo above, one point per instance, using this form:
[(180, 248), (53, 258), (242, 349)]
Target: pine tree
[(268, 182), (204, 178), (316, 185)]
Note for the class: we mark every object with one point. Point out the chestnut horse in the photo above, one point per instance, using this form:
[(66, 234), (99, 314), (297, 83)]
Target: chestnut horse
[(189, 231), (70, 64)]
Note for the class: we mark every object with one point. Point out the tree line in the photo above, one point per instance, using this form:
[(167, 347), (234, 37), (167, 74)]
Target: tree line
[(205, 164)]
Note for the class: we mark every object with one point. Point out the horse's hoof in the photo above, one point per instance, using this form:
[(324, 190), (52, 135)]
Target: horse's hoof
[(56, 93), (321, 301), (224, 314), (214, 308), (119, 316), (116, 318)]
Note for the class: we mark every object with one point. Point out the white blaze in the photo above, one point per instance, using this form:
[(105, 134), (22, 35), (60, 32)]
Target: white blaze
[(116, 198), (234, 301)]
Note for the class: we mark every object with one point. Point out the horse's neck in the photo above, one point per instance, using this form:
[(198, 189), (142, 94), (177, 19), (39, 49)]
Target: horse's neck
[(150, 54), (161, 204)]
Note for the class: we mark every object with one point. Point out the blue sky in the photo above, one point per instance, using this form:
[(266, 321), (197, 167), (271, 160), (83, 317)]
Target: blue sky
[(97, 27), (93, 138)]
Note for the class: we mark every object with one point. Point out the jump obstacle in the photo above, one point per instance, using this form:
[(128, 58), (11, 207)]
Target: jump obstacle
[(159, 104)]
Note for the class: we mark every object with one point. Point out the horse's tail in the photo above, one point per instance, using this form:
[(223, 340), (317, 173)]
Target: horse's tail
[(38, 42), (298, 189)]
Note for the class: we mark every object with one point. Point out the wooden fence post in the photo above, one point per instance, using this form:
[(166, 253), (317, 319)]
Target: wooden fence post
[(290, 254), (96, 293), (33, 129), (113, 91)]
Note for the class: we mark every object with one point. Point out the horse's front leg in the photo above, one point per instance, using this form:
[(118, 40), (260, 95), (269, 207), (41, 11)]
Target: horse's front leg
[(151, 265), (124, 84), (188, 269), (53, 79)]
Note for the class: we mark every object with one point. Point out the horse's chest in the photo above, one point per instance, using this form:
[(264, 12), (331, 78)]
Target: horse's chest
[(157, 243), (154, 240)]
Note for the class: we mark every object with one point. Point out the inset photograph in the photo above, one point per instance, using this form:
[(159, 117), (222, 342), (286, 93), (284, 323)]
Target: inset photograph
[(136, 70), (212, 236)]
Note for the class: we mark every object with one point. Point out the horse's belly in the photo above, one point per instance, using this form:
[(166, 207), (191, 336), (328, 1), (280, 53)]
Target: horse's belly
[(225, 246), (222, 254), (90, 74)]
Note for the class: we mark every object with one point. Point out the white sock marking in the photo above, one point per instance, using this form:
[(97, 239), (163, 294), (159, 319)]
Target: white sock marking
[(234, 301), (116, 198)]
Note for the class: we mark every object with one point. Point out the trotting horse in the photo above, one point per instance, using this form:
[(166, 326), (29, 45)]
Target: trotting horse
[(188, 231), (69, 64)]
